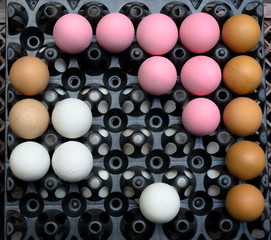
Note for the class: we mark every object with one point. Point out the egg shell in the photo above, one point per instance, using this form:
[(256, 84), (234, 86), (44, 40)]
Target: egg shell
[(29, 75), (72, 118), (72, 161), (199, 32), (242, 74), (159, 202), (242, 116), (157, 34), (72, 33), (244, 202), (245, 160), (29, 161), (241, 33), (200, 116), (200, 75), (157, 75), (115, 32), (29, 118)]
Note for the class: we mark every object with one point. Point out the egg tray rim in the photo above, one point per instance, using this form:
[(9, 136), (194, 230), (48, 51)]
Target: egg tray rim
[(127, 1)]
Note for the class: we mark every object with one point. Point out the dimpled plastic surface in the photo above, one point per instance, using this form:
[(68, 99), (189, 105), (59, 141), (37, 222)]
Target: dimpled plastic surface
[(136, 138)]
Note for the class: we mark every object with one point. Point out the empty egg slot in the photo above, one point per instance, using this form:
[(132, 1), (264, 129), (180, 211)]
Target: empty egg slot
[(116, 162), (94, 60), (136, 11), (183, 225), (115, 79), (50, 228), (73, 79), (32, 38), (94, 12), (17, 18), (73, 204), (95, 227), (47, 16), (139, 226), (31, 205), (177, 11)]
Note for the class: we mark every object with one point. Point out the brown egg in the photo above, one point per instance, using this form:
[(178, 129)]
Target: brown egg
[(29, 118), (244, 202), (242, 74), (242, 116), (29, 75), (245, 160), (241, 33)]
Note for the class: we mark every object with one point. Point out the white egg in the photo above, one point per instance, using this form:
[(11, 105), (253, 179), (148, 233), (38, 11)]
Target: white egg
[(72, 161), (29, 161), (72, 118), (159, 203)]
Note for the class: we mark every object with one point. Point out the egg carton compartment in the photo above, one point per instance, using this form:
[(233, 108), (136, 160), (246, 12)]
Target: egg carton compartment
[(136, 139)]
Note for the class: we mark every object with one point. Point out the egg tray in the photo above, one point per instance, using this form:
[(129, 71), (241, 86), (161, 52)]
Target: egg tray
[(136, 139)]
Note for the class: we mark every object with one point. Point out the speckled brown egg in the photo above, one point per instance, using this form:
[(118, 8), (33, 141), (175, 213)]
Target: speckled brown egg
[(242, 74), (29, 75), (242, 116), (29, 118), (245, 160), (241, 33), (244, 202)]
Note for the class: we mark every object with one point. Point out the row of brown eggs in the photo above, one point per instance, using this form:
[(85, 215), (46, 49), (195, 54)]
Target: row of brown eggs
[(243, 116)]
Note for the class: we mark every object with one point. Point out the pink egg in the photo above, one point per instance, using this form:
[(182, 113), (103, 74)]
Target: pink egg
[(200, 116), (201, 75), (157, 75), (115, 32), (72, 33), (199, 32), (157, 34)]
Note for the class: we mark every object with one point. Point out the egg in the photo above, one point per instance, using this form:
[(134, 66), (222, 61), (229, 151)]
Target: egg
[(29, 118), (244, 202), (159, 202), (157, 75), (242, 74), (72, 118), (245, 160), (29, 161), (72, 33), (199, 32), (157, 34), (203, 81), (200, 116), (72, 161), (241, 33), (242, 116), (29, 75), (115, 32)]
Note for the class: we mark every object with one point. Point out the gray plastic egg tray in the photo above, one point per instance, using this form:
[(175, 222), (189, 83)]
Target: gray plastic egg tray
[(136, 139)]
